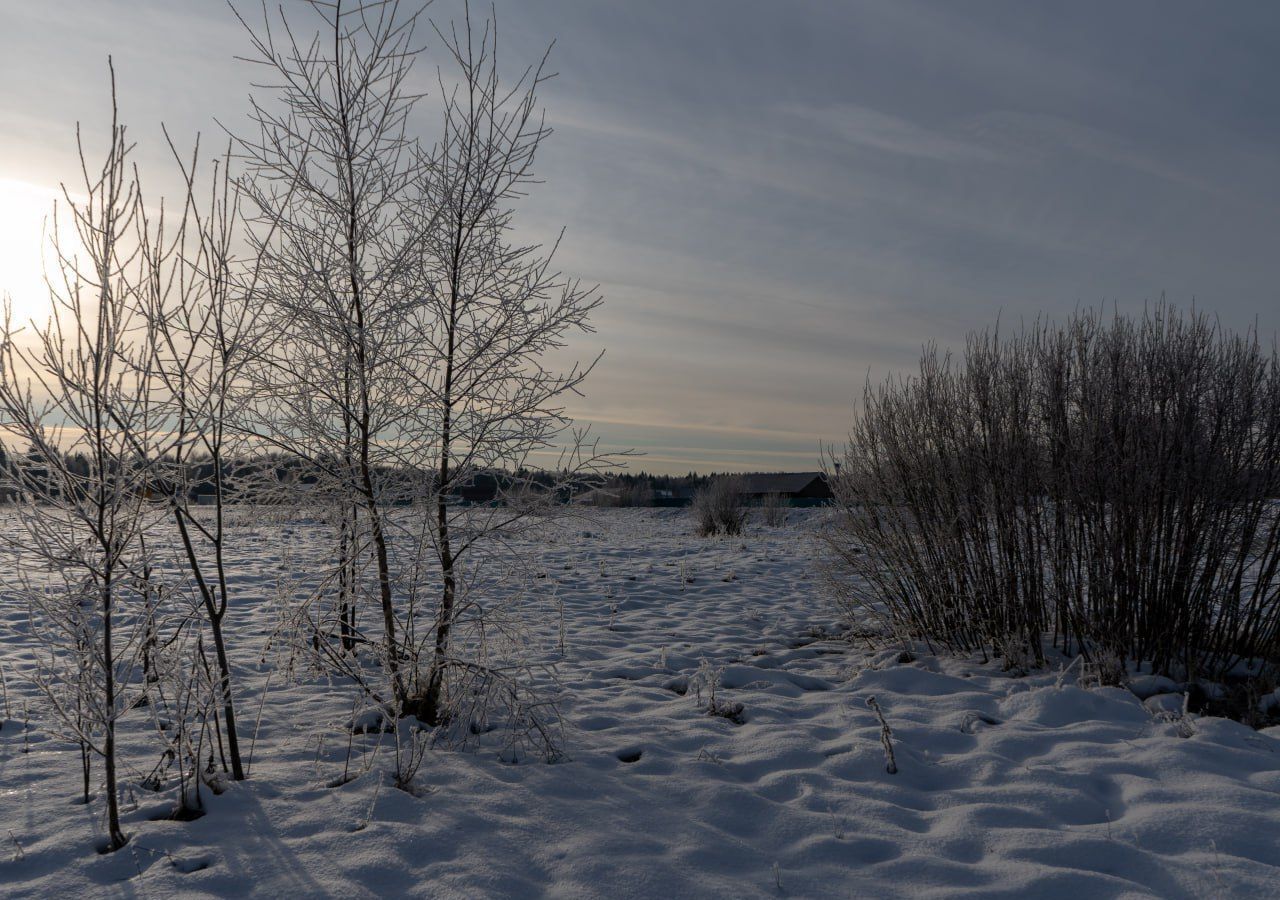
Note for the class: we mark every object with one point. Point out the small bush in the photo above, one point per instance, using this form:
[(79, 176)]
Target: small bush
[(1105, 487), (717, 508), (773, 510)]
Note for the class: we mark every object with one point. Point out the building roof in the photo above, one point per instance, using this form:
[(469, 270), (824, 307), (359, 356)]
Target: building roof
[(778, 482)]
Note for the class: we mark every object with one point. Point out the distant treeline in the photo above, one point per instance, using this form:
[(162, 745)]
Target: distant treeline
[(643, 489), (269, 478), (280, 478)]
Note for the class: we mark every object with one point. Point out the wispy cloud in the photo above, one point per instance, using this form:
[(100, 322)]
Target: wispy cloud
[(869, 128)]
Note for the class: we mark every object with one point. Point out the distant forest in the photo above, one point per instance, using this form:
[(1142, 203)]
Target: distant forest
[(277, 478)]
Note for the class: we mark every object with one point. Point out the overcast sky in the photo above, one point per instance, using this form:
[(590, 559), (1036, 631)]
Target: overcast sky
[(780, 198)]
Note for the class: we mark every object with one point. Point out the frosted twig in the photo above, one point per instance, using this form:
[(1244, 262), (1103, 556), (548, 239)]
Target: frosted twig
[(886, 738)]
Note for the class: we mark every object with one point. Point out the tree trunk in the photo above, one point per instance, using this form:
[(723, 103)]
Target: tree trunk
[(116, 837)]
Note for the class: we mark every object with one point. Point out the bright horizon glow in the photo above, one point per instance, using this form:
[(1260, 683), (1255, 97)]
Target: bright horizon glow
[(25, 210)]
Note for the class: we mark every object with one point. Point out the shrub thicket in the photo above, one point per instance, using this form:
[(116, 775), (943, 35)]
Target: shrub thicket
[(1104, 486)]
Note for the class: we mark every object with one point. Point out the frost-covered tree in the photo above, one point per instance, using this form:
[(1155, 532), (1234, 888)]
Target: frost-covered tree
[(200, 315), (332, 184), (405, 329), (75, 391), (497, 307)]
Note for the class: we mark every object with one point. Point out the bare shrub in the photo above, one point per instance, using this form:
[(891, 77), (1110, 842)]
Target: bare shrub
[(708, 679), (773, 510), (1103, 486), (717, 508), (183, 692)]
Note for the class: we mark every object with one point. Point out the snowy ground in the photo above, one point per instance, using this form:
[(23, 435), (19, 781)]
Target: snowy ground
[(1007, 786)]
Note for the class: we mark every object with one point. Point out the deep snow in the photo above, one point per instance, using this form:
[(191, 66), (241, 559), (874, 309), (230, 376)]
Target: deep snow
[(1007, 786)]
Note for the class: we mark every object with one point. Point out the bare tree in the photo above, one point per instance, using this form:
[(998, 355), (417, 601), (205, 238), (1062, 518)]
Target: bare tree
[(83, 412), (496, 308), (333, 186), (406, 329), (198, 302)]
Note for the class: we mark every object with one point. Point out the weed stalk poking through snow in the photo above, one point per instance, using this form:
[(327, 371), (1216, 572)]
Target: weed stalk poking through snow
[(886, 738)]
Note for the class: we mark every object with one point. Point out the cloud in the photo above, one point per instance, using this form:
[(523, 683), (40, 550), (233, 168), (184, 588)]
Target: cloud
[(1037, 137), (865, 127)]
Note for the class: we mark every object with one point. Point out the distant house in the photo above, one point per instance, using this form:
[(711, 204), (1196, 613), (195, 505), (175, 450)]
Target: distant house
[(798, 488)]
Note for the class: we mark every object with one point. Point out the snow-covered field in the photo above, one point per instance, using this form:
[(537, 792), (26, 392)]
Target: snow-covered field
[(1006, 786)]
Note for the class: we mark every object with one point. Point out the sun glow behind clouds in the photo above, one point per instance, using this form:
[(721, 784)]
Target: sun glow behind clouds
[(25, 210)]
